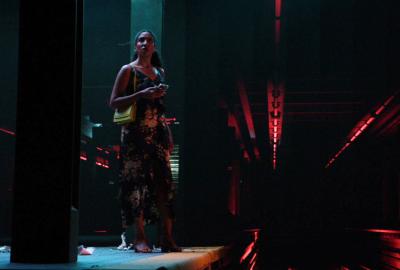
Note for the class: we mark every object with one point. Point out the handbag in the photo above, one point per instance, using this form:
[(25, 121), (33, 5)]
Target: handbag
[(128, 115)]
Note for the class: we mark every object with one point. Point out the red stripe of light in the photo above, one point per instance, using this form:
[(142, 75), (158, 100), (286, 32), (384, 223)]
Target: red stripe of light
[(278, 8), (247, 252), (360, 128), (9, 132), (246, 110)]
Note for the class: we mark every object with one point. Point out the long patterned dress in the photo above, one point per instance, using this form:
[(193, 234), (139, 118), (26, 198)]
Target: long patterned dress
[(145, 173)]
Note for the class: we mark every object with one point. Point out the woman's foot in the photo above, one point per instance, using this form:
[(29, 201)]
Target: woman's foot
[(142, 247), (170, 246)]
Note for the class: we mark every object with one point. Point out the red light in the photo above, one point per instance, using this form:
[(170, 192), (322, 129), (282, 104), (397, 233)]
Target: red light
[(278, 7), (246, 109), (100, 231), (101, 162), (246, 253), (256, 235), (363, 127), (388, 100), (370, 120), (83, 158), (9, 132), (380, 110), (277, 32), (383, 231), (246, 155), (232, 122), (253, 258), (252, 266)]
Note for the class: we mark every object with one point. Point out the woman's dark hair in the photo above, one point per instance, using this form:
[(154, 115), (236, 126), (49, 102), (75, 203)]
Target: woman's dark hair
[(155, 58)]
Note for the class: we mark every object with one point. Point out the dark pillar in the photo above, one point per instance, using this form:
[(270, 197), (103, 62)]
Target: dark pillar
[(47, 133)]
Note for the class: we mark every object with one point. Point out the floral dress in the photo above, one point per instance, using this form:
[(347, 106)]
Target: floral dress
[(145, 174)]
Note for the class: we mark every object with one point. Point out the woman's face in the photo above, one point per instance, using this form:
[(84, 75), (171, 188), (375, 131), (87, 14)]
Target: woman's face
[(145, 44)]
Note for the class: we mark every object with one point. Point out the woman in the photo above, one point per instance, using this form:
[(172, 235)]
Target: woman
[(146, 191)]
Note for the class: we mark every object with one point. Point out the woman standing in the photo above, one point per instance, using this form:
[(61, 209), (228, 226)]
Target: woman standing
[(146, 191)]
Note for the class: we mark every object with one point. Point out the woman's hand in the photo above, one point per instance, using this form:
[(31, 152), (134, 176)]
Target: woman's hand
[(153, 92)]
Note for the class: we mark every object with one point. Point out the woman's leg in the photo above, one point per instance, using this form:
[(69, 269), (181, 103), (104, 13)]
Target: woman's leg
[(140, 237), (167, 240)]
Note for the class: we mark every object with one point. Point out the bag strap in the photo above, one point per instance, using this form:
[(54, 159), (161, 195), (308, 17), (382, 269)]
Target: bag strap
[(133, 70)]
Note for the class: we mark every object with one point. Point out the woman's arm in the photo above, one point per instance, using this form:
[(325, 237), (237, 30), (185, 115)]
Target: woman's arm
[(119, 100)]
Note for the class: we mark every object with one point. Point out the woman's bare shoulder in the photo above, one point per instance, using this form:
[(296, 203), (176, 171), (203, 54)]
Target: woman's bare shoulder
[(125, 70)]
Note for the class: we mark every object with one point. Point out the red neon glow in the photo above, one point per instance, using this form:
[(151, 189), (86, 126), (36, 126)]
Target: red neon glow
[(232, 122), (253, 258), (360, 128), (256, 232), (383, 231), (170, 120), (101, 162), (364, 127), (277, 32), (278, 7), (380, 110), (370, 120), (246, 109), (83, 155), (99, 148), (389, 100), (247, 252), (275, 96), (9, 132), (252, 266), (100, 231), (246, 155)]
